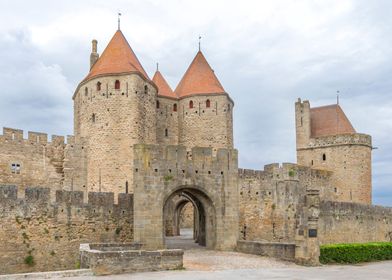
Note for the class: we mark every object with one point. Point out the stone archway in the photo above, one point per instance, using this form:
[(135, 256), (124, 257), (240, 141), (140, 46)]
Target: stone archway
[(205, 214)]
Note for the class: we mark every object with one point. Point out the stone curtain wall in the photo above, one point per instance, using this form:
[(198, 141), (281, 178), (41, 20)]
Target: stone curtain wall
[(343, 222), (51, 232), (40, 161), (271, 200)]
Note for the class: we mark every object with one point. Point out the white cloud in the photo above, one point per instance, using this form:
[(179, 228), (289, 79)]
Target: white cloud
[(266, 54)]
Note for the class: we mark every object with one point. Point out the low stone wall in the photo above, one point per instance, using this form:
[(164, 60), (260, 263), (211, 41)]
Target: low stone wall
[(344, 222), (284, 251), (106, 259)]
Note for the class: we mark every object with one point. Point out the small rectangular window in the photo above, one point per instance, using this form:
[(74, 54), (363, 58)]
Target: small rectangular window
[(15, 168)]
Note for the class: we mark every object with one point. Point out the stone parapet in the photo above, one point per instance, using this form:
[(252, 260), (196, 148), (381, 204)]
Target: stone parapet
[(341, 139)]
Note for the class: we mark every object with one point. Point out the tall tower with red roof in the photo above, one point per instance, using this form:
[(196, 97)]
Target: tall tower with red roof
[(327, 140), (205, 110), (114, 108), (167, 112)]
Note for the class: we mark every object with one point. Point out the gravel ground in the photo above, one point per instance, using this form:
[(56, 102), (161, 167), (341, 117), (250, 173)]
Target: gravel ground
[(206, 260)]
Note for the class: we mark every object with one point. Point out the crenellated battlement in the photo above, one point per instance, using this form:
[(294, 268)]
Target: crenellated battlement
[(284, 171), (164, 160), (15, 136), (339, 140), (35, 196)]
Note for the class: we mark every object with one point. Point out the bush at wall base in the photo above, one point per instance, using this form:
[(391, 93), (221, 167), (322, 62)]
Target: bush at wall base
[(355, 252)]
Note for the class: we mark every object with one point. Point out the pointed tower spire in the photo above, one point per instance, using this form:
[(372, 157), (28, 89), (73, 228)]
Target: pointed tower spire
[(117, 58), (163, 87), (199, 79)]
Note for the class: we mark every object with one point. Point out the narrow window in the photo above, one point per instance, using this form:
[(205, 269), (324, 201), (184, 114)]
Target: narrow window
[(228, 107), (175, 108), (15, 168), (208, 103), (191, 104), (324, 157), (157, 104), (126, 186), (85, 91), (93, 118), (166, 132), (98, 86), (312, 161), (145, 89), (117, 84)]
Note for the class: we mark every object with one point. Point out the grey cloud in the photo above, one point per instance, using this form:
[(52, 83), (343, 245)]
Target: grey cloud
[(266, 54)]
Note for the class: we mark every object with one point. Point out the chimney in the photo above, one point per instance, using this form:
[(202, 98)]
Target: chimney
[(94, 55)]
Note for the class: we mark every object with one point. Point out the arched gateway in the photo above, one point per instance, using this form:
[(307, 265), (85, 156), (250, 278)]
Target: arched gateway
[(166, 178), (204, 224)]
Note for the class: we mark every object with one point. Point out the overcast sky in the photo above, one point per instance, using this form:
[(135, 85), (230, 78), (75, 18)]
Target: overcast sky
[(265, 53)]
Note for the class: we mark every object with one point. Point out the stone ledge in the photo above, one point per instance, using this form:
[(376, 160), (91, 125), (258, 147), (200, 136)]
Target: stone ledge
[(48, 274)]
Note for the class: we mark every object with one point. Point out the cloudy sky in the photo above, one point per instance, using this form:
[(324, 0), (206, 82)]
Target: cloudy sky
[(265, 53)]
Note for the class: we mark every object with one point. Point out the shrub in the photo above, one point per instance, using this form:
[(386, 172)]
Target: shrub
[(29, 260), (356, 252)]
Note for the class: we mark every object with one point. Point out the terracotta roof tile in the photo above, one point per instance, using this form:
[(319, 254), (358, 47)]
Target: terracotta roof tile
[(163, 87), (118, 57), (329, 120), (199, 79)]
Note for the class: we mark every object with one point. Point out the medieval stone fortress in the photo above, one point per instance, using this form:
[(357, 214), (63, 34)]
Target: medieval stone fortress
[(144, 158)]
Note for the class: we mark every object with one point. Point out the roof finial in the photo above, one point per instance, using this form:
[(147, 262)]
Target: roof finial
[(118, 20), (157, 66), (337, 97), (199, 41)]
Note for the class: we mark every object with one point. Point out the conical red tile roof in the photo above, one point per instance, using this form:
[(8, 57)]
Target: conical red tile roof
[(329, 120), (199, 79), (118, 57), (163, 87)]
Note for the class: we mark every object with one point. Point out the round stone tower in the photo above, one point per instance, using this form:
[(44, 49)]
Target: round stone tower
[(205, 111), (327, 140), (114, 108)]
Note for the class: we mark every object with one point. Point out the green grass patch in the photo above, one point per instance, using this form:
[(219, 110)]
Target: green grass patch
[(29, 260), (355, 252)]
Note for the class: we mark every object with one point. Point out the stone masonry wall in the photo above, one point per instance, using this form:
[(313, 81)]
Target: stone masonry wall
[(271, 200), (163, 172), (167, 121), (348, 156), (40, 162), (206, 127), (47, 234), (343, 222), (111, 121), (186, 216)]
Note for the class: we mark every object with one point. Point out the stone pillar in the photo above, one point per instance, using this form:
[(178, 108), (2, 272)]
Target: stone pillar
[(307, 251)]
